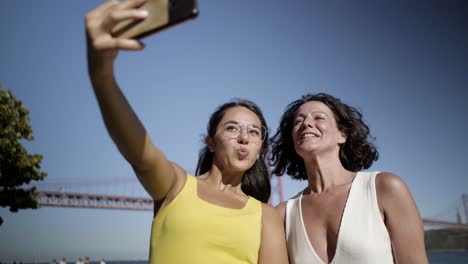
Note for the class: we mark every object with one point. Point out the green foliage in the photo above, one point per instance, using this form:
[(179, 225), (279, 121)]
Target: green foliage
[(17, 167), (446, 239)]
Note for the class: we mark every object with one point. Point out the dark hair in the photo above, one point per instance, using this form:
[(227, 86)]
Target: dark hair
[(256, 181), (355, 154)]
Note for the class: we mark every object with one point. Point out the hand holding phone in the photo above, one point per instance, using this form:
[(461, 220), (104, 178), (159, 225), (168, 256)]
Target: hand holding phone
[(162, 14)]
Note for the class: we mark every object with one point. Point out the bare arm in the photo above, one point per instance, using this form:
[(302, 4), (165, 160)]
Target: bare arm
[(402, 219), (273, 242), (156, 174), (281, 210)]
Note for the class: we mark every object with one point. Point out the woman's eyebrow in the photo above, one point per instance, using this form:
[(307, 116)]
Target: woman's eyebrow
[(314, 112), (240, 123), (232, 122)]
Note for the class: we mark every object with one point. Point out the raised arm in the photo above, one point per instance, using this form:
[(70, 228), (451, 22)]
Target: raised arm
[(273, 240), (402, 219), (156, 174)]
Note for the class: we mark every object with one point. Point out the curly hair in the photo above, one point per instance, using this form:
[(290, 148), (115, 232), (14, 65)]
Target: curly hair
[(256, 180), (355, 154)]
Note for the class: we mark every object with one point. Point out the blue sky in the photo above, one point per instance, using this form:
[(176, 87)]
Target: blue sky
[(404, 64)]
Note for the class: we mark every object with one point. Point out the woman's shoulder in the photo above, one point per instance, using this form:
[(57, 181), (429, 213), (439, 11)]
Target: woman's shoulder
[(268, 211), (270, 216), (392, 192), (182, 178), (387, 182), (281, 210)]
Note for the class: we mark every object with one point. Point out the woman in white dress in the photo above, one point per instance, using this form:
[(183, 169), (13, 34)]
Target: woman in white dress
[(344, 215)]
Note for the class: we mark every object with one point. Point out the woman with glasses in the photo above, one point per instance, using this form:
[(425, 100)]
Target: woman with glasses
[(217, 217), (344, 215)]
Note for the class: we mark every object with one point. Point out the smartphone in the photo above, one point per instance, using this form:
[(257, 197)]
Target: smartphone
[(162, 14)]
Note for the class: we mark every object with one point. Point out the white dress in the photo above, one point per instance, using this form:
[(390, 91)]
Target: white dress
[(362, 237)]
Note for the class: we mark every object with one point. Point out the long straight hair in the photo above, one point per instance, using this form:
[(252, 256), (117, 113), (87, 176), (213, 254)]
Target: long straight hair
[(256, 180)]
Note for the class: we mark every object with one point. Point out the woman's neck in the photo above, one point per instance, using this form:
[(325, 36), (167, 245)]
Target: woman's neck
[(223, 180), (325, 173)]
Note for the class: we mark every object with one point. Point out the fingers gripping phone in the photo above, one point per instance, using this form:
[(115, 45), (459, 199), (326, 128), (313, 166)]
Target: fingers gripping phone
[(162, 14)]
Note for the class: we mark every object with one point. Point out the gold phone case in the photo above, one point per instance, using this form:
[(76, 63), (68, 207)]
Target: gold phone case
[(161, 14)]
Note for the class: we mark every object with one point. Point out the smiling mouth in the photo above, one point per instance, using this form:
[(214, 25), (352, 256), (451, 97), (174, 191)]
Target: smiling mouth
[(309, 135)]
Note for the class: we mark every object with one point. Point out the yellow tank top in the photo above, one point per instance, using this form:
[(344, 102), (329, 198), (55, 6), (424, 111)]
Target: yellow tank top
[(191, 230)]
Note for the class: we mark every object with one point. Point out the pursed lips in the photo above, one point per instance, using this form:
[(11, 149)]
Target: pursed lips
[(242, 152)]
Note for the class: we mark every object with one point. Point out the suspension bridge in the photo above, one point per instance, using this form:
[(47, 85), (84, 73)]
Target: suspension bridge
[(101, 194)]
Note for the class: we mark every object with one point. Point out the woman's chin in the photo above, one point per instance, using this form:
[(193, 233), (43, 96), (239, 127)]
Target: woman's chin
[(242, 166), (307, 150)]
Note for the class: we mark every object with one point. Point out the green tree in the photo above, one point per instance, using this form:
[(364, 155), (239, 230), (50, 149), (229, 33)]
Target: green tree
[(17, 167)]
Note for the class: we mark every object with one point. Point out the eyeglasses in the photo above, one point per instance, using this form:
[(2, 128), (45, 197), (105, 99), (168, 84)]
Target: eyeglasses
[(233, 129)]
